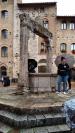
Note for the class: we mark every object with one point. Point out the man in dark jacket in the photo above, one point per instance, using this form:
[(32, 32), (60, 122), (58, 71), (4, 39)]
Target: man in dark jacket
[(63, 69)]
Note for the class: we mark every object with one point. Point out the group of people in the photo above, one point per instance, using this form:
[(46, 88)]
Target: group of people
[(64, 77), (5, 81)]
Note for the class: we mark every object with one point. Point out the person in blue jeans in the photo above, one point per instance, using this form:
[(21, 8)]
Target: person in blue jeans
[(63, 69)]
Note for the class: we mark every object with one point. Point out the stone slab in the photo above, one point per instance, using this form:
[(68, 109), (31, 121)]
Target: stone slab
[(58, 129)]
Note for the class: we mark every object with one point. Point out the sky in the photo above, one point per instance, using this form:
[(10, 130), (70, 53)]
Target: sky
[(64, 7)]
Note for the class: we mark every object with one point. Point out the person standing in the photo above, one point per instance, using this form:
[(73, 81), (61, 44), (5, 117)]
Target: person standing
[(63, 69)]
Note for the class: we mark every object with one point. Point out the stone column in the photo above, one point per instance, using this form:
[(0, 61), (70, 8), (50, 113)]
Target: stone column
[(49, 55), (23, 82)]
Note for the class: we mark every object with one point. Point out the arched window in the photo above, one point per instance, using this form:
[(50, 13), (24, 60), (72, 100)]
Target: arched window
[(4, 33), (73, 48), (4, 51), (63, 47), (42, 66), (3, 71), (4, 14), (42, 61), (45, 23)]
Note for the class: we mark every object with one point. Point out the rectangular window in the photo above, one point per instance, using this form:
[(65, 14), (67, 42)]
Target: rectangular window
[(63, 47), (72, 26), (73, 48), (64, 26), (45, 24), (43, 48)]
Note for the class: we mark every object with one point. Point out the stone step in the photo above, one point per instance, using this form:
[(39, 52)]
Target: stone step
[(28, 121), (59, 129), (4, 128), (35, 110), (48, 129)]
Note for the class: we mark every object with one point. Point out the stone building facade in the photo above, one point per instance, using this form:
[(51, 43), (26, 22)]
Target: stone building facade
[(6, 37), (62, 28), (65, 35)]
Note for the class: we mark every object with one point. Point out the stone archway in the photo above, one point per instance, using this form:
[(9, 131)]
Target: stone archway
[(42, 66), (26, 24)]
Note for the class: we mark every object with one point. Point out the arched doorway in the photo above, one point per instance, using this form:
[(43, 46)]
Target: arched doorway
[(3, 71), (42, 66)]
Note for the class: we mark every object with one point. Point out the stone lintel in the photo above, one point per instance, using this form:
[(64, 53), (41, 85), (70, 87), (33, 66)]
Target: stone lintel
[(34, 26)]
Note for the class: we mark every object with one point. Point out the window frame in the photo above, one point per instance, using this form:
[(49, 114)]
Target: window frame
[(45, 23), (63, 47), (43, 48), (4, 53), (73, 48), (4, 16), (4, 33), (63, 25), (72, 25)]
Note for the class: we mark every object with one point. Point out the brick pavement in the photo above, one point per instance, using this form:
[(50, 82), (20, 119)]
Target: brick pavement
[(40, 100)]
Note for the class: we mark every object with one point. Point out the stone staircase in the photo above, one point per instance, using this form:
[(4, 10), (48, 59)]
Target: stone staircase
[(48, 129), (42, 120)]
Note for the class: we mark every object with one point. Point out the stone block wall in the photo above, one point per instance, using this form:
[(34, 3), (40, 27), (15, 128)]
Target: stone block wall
[(42, 82)]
